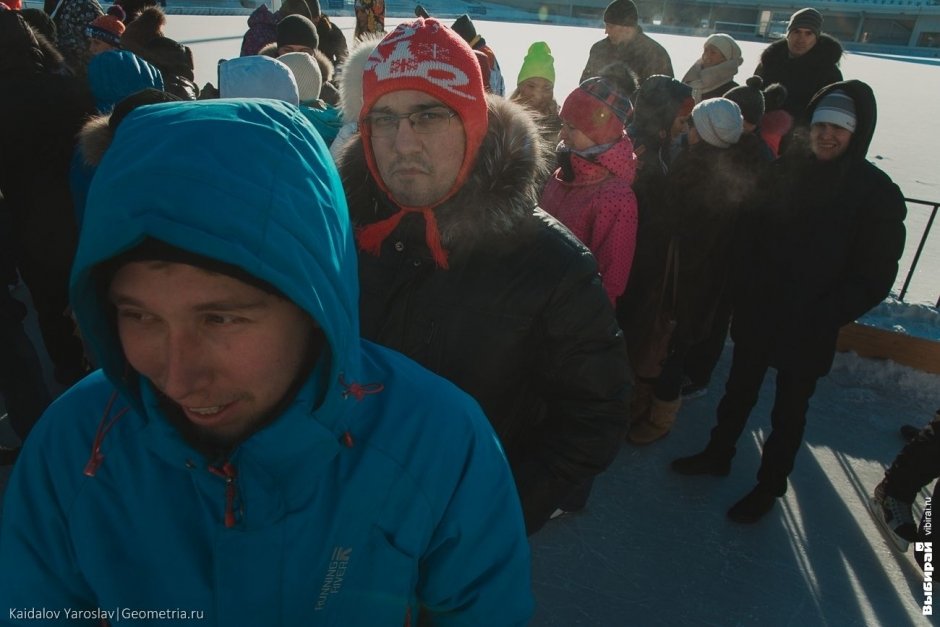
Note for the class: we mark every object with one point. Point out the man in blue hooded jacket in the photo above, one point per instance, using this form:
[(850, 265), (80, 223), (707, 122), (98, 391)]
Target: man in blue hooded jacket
[(243, 457)]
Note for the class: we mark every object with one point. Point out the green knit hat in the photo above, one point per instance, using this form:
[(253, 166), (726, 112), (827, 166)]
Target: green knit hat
[(539, 63)]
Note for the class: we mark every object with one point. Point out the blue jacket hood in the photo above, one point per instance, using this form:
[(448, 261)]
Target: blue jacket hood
[(116, 74), (187, 174)]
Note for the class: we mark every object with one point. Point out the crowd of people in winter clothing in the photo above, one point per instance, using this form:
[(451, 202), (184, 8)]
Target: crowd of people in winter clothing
[(574, 270)]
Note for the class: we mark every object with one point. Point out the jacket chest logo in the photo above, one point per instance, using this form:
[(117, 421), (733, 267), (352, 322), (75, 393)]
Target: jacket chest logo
[(335, 574)]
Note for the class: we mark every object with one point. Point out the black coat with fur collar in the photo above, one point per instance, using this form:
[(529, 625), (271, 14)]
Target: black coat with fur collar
[(825, 248), (519, 320), (803, 76)]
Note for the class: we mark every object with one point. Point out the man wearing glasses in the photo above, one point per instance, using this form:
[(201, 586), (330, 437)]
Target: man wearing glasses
[(461, 271)]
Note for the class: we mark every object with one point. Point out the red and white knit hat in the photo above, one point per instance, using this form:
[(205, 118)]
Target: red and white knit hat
[(427, 56)]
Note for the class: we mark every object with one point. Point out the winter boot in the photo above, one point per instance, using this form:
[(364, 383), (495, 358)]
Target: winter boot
[(752, 507), (894, 516), (641, 402), (657, 425), (705, 463)]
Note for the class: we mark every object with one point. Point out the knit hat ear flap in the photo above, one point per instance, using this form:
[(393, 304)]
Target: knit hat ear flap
[(424, 55)]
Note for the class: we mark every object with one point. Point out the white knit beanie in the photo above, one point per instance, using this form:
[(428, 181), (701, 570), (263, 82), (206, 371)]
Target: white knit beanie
[(257, 76), (306, 73), (718, 121), (726, 45)]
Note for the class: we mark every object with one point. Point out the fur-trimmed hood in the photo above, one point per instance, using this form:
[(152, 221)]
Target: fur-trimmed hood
[(498, 195), (827, 51), (94, 138), (350, 79)]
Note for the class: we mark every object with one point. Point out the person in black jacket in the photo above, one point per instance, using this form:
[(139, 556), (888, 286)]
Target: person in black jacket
[(461, 271), (892, 503), (826, 252), (805, 62), (43, 106)]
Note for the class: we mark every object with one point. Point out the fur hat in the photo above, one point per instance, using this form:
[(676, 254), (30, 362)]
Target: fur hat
[(538, 63), (838, 108), (296, 30), (808, 18), (596, 109), (306, 73), (426, 56), (621, 13), (257, 76), (40, 22), (464, 27), (109, 27), (718, 121), (775, 95), (726, 45), (749, 98)]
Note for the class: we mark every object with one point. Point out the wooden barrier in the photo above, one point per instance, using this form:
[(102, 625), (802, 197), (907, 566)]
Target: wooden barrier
[(869, 341)]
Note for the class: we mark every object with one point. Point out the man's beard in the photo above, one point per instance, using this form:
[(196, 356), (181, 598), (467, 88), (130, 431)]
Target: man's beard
[(218, 447)]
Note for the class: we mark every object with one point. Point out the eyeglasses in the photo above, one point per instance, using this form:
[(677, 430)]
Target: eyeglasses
[(425, 122)]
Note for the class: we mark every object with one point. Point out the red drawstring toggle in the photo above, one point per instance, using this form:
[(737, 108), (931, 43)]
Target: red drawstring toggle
[(359, 391), (91, 467), (229, 473)]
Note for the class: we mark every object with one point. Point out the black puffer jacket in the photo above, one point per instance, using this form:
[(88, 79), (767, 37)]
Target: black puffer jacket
[(519, 320), (826, 249), (803, 76)]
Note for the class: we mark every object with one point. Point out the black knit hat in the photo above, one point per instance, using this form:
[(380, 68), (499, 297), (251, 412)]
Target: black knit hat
[(464, 27), (621, 13), (750, 99), (774, 96), (296, 30), (806, 18)]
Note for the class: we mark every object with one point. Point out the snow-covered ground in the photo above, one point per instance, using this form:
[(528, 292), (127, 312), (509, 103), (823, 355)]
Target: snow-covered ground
[(655, 548)]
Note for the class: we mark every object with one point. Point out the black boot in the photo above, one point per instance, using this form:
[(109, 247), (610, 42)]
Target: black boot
[(752, 507), (704, 463)]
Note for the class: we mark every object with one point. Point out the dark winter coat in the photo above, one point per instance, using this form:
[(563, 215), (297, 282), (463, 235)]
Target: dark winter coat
[(332, 41), (262, 30), (519, 320), (70, 20), (43, 109), (704, 194), (826, 249), (144, 37), (803, 76), (642, 54)]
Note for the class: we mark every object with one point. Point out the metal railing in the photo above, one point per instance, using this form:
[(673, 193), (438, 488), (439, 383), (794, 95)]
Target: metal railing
[(920, 246)]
